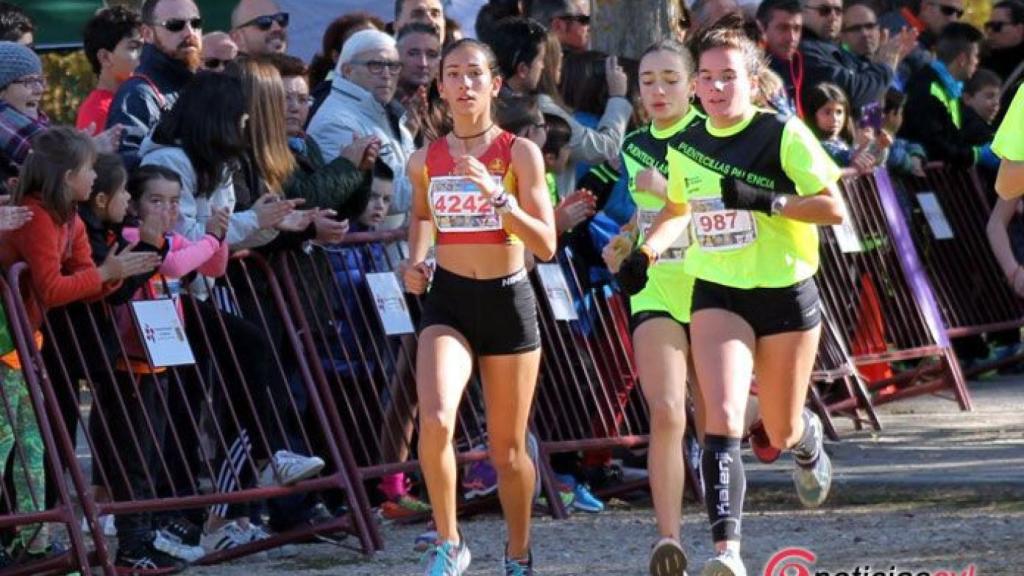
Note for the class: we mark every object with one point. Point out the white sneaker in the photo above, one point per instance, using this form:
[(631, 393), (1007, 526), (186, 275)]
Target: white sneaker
[(228, 536), (258, 532), (106, 522), (447, 559), (813, 484), (288, 468), (727, 563), (172, 546)]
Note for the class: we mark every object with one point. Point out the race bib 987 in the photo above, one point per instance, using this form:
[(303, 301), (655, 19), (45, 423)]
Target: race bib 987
[(718, 229)]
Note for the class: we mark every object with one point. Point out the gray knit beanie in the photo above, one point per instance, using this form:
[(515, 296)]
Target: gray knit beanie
[(17, 61)]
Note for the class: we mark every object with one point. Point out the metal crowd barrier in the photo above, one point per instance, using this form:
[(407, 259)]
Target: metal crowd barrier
[(249, 393), (837, 387), (875, 288), (365, 376), (588, 396), (61, 511), (948, 228)]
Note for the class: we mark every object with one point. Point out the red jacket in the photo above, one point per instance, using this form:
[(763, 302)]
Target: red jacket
[(59, 261)]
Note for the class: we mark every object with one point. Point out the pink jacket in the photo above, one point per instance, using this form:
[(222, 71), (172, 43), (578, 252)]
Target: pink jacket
[(207, 256)]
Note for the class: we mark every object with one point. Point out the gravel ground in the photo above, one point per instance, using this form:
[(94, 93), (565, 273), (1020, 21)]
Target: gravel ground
[(938, 530), (937, 489)]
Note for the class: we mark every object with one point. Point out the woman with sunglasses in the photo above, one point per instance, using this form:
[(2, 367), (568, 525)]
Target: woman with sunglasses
[(753, 185), (361, 104), (480, 192)]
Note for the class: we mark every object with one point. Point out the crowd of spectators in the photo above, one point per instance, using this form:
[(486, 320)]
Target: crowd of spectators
[(195, 143)]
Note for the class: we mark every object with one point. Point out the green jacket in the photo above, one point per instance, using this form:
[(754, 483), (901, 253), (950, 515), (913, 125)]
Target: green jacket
[(337, 185)]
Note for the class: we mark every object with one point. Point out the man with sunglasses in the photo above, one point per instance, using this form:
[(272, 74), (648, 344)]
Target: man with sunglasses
[(1004, 38), (860, 32), (863, 80), (569, 20), (259, 27), (173, 32), (218, 50), (362, 104)]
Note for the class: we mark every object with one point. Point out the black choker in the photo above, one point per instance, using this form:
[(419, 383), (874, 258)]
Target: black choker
[(471, 136)]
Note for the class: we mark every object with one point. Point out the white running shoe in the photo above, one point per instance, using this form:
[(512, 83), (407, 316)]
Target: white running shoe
[(289, 467), (727, 563), (228, 536), (813, 484), (447, 559), (172, 546)]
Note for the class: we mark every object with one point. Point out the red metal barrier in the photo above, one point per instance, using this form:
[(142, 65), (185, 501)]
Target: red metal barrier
[(909, 327), (62, 511), (972, 292), (225, 414), (588, 396), (365, 376)]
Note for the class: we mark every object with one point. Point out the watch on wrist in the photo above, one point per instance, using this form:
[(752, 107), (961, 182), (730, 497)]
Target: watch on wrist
[(779, 204), (507, 205)]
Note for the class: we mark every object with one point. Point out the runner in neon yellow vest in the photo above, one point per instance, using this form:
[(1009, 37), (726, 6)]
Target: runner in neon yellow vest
[(661, 309), (752, 185), (1009, 146)]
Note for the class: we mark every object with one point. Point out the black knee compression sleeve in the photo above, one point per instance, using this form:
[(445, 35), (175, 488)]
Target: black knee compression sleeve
[(726, 484)]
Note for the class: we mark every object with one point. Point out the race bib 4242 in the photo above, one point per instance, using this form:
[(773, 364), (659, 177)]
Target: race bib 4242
[(458, 205)]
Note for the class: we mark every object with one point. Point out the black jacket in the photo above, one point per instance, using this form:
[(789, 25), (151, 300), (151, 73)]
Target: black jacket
[(1003, 62), (137, 106), (103, 239), (928, 121), (863, 81)]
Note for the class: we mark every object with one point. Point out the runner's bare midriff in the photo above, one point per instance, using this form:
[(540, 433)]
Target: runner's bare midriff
[(481, 261)]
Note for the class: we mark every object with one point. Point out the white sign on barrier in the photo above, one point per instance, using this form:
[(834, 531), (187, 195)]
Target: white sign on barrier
[(557, 290), (935, 216), (161, 333), (389, 301)]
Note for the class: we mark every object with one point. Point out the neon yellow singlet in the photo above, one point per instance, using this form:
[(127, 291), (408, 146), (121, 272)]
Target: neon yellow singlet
[(669, 288), (749, 249)]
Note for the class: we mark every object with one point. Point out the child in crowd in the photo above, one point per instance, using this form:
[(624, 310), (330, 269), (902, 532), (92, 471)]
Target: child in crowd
[(155, 195), (905, 157), (570, 208), (103, 216), (981, 106), (54, 178), (828, 111), (113, 45), (382, 190), (19, 430)]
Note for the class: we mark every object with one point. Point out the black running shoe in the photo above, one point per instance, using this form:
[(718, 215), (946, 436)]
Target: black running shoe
[(184, 531), (519, 567)]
